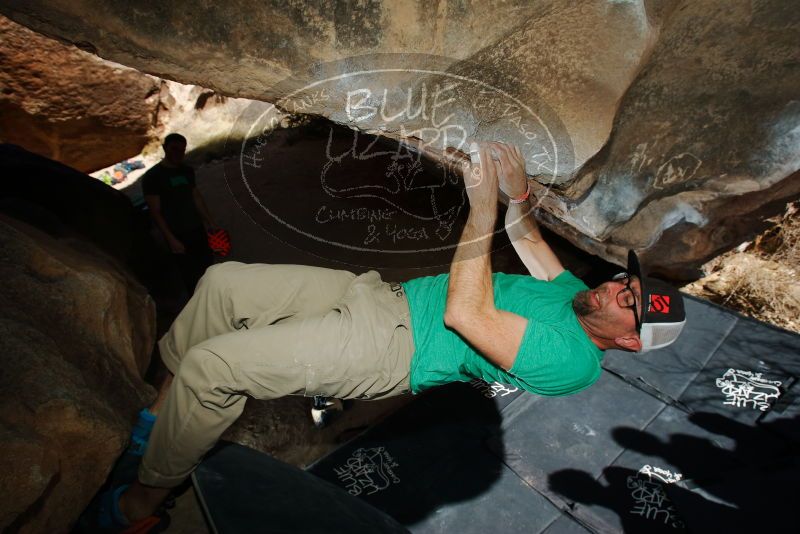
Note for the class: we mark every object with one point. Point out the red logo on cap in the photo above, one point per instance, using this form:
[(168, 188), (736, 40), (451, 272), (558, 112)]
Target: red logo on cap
[(659, 303)]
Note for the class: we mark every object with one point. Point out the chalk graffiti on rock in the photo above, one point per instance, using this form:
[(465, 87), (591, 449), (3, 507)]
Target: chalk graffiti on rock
[(677, 169), (391, 186), (403, 181), (650, 499), (368, 471), (745, 389)]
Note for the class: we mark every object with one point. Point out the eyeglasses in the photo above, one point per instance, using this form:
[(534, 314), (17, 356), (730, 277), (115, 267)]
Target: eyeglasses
[(626, 298)]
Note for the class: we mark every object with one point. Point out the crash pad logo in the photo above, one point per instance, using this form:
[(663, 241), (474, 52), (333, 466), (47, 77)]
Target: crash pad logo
[(368, 471), (650, 499), (745, 389), (659, 303), (381, 184)]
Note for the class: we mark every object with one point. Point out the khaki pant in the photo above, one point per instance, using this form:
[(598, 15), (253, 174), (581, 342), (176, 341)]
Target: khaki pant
[(266, 331)]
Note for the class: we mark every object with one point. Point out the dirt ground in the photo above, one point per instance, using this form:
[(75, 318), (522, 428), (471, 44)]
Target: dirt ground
[(759, 278)]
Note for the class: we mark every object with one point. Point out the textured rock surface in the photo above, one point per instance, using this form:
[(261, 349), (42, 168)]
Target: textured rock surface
[(70, 105), (64, 202), (705, 143), (674, 121), (206, 118), (576, 59), (75, 338)]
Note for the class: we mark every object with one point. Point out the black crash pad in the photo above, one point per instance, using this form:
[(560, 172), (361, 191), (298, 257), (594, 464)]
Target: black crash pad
[(651, 447), (603, 458), (432, 466), (243, 490), (761, 498), (670, 370)]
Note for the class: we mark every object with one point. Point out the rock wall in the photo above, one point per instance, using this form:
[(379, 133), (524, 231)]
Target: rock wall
[(706, 142), (65, 202), (76, 333), (208, 120), (70, 105), (671, 118)]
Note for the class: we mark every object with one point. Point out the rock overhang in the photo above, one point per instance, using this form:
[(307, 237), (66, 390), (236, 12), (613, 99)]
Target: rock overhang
[(674, 117)]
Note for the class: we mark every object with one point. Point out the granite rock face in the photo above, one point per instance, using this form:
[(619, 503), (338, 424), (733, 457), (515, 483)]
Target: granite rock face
[(669, 127), (70, 105), (705, 144), (76, 332)]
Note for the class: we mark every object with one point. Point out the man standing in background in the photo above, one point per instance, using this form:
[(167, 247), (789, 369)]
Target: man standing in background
[(179, 211)]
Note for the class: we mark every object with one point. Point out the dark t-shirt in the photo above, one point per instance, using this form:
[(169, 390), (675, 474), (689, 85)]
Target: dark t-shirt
[(175, 188)]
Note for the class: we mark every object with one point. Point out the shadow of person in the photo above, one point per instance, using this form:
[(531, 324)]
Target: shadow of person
[(731, 473), (734, 477), (639, 501), (440, 451), (729, 445), (689, 454), (760, 485), (751, 443), (431, 455)]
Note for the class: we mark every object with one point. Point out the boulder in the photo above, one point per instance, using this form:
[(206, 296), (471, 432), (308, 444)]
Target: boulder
[(76, 333), (704, 145), (668, 127), (69, 105), (64, 202), (573, 61)]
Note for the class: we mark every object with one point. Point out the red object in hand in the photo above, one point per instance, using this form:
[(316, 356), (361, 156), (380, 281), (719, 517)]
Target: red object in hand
[(219, 241)]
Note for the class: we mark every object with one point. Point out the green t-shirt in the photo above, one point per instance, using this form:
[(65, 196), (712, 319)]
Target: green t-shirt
[(556, 356)]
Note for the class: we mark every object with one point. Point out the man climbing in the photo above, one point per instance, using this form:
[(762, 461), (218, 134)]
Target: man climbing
[(178, 210), (266, 331)]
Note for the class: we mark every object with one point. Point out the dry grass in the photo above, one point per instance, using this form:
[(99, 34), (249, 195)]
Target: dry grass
[(760, 278)]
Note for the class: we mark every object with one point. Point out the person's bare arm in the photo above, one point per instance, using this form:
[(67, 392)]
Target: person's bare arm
[(521, 227), (154, 204), (470, 308)]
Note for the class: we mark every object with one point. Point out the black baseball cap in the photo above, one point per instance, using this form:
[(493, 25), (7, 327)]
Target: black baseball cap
[(663, 315)]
